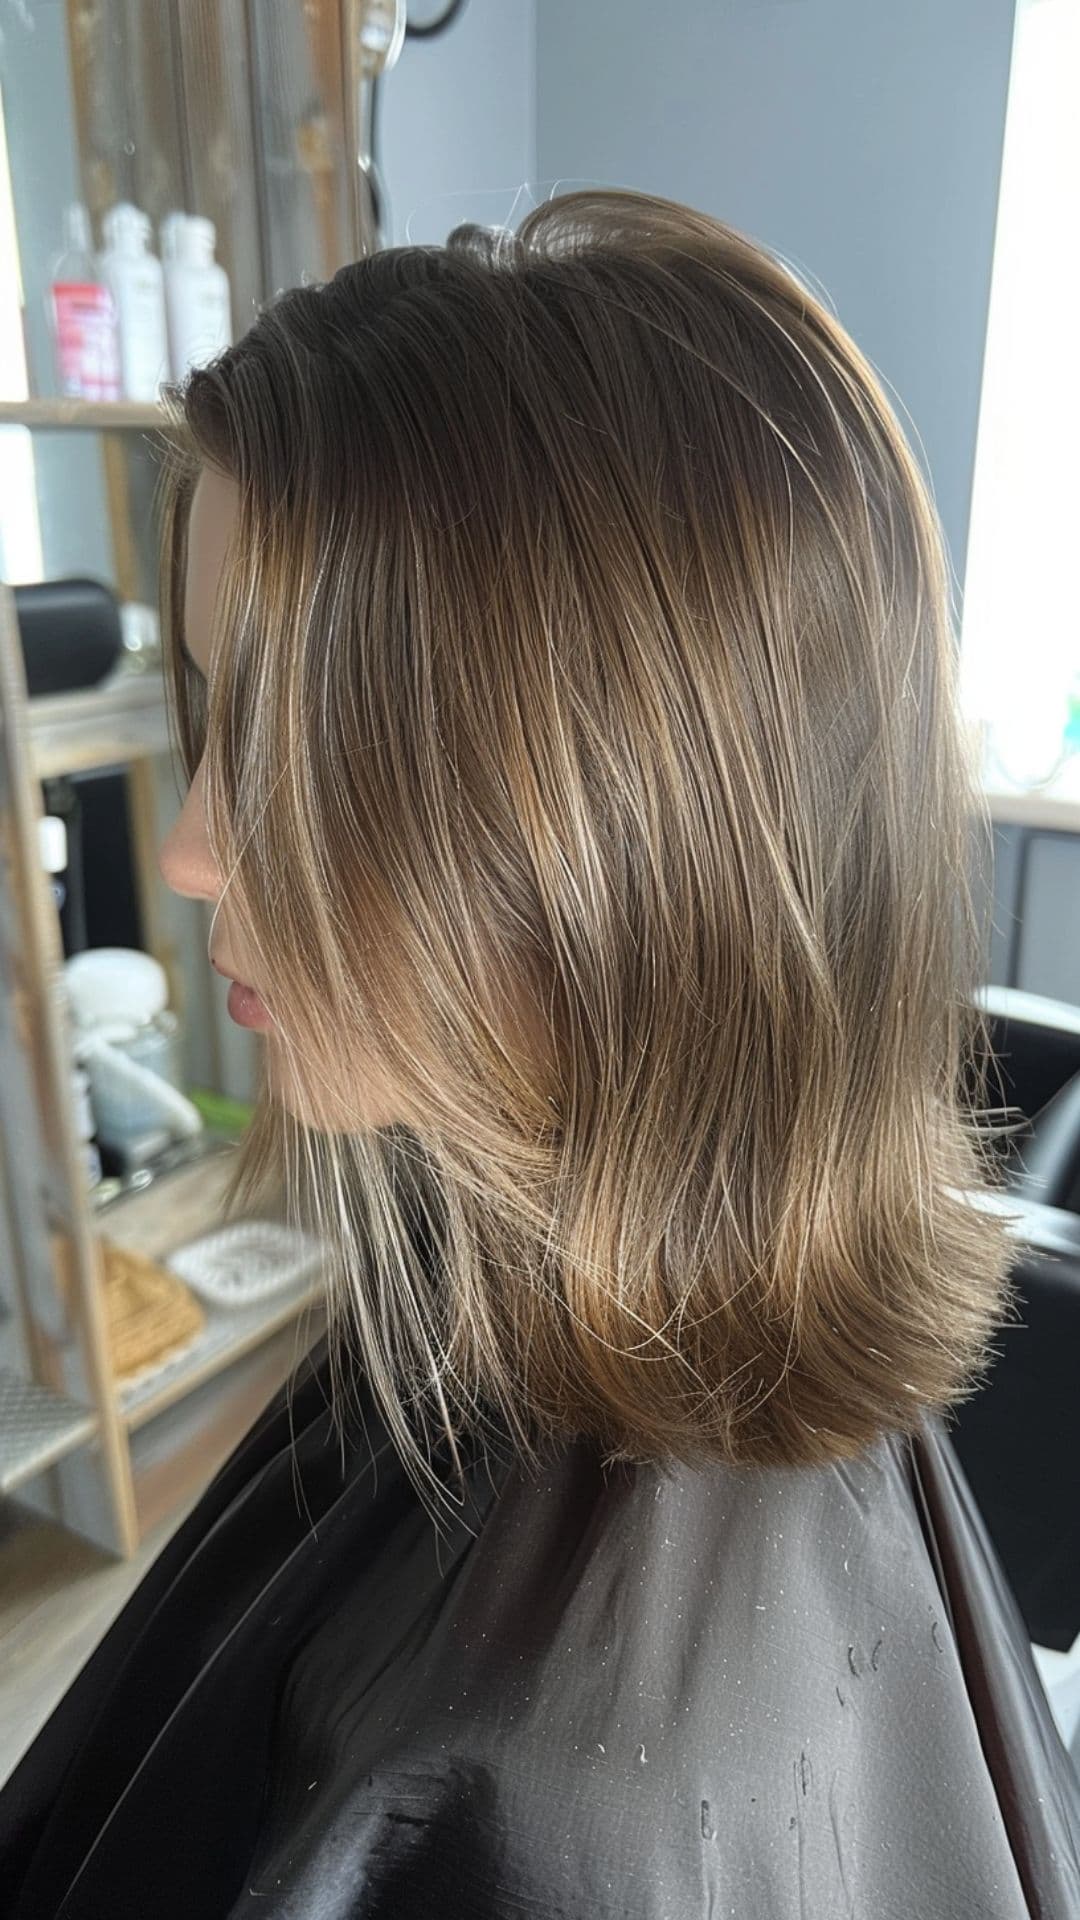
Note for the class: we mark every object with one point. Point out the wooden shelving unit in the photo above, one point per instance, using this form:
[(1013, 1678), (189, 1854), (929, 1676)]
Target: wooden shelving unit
[(123, 720), (174, 1210), (91, 416), (66, 1423)]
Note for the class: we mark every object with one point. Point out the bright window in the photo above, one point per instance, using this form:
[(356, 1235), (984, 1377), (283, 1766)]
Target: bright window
[(1021, 606), (20, 535)]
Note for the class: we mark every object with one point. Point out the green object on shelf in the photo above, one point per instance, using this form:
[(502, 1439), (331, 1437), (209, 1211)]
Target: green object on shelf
[(221, 1113)]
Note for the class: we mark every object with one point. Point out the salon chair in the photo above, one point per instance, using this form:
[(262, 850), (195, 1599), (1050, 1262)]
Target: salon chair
[(1018, 1438)]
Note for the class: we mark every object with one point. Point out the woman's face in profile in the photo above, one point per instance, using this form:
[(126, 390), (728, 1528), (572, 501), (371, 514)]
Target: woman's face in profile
[(187, 863)]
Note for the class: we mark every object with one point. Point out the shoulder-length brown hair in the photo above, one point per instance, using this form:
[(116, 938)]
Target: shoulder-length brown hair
[(584, 756)]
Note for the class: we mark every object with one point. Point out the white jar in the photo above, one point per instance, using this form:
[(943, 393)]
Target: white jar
[(197, 301), (135, 280), (85, 1126)]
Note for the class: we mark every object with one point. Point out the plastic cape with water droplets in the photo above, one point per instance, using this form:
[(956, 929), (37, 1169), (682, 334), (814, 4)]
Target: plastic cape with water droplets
[(779, 1694)]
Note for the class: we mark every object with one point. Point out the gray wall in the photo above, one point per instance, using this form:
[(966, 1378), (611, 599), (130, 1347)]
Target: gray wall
[(1037, 912), (859, 138), (458, 121)]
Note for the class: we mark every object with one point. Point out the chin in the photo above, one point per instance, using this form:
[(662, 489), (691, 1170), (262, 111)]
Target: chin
[(317, 1106)]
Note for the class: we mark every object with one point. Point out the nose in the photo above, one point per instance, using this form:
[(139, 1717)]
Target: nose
[(185, 861)]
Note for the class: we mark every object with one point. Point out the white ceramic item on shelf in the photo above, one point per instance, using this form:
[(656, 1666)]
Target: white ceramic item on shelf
[(115, 986), (128, 1040), (130, 1099), (248, 1262)]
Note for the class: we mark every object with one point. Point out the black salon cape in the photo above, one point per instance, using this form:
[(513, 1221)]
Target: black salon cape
[(795, 1694)]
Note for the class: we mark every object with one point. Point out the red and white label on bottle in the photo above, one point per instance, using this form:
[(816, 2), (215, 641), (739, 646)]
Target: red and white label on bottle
[(87, 352)]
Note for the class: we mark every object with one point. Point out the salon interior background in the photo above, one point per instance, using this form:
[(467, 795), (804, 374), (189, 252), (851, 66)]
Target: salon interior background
[(863, 142)]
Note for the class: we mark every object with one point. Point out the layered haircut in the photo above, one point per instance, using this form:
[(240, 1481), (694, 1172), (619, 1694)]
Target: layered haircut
[(583, 755)]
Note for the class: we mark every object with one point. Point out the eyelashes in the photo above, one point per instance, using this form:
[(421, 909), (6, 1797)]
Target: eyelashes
[(192, 716)]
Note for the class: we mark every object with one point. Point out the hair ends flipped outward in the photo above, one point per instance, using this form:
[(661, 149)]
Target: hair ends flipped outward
[(583, 754)]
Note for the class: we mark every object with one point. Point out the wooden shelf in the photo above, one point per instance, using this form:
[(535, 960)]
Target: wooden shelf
[(88, 416), (1054, 812), (228, 1335), (124, 719), (173, 1209), (176, 1208)]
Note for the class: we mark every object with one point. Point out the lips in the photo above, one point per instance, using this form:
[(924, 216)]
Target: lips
[(245, 1005), (246, 1008)]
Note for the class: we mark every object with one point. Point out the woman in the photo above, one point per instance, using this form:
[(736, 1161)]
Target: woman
[(561, 654)]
